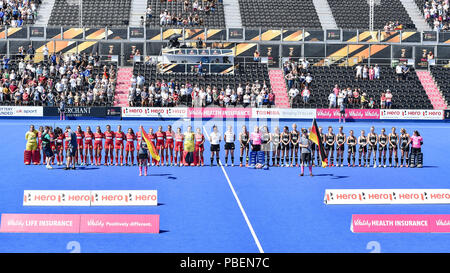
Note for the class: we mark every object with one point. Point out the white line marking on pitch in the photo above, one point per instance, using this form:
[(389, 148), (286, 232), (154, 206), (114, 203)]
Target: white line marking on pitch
[(239, 203)]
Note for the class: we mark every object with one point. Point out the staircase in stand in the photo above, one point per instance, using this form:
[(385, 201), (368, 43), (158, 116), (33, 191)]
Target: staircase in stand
[(279, 88), (123, 84), (431, 89)]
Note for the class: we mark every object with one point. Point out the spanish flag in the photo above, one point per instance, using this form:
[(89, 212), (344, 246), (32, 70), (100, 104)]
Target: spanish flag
[(150, 145), (315, 137)]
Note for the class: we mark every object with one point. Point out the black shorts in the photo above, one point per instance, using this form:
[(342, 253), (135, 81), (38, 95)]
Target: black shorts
[(215, 147), (48, 151), (416, 150), (372, 147), (405, 148), (71, 151), (329, 147), (362, 149), (305, 158), (392, 147), (229, 146), (381, 148), (256, 148), (352, 149), (285, 146), (340, 147), (245, 146), (292, 146), (143, 156)]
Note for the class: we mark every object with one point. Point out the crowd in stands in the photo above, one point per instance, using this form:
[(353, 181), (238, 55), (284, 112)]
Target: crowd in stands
[(17, 13), (74, 79), (191, 15), (298, 78), (436, 12), (174, 93), (353, 98), (391, 26)]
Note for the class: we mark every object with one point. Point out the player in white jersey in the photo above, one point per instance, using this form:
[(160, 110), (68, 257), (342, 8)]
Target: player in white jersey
[(229, 138), (215, 139)]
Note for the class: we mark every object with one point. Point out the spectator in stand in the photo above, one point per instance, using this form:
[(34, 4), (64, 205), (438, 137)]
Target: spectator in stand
[(388, 99), (293, 92), (356, 97), (256, 57), (332, 100), (358, 70), (305, 95), (148, 14), (271, 99), (349, 96), (382, 100), (341, 97), (365, 72), (376, 70), (399, 72), (290, 80), (371, 73), (371, 103), (308, 80), (364, 102), (405, 71)]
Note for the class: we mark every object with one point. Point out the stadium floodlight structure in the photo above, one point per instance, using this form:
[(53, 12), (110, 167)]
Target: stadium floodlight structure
[(372, 4), (78, 3)]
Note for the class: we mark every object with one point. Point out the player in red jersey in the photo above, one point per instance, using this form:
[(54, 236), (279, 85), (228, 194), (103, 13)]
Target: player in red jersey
[(59, 146), (39, 149), (129, 147), (160, 145), (199, 147), (179, 138), (66, 143), (119, 136), (109, 145), (138, 141), (88, 146), (152, 137), (52, 143), (169, 144), (98, 145), (79, 153)]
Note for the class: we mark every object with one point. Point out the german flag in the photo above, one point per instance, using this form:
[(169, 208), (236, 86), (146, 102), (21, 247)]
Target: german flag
[(150, 145), (315, 137)]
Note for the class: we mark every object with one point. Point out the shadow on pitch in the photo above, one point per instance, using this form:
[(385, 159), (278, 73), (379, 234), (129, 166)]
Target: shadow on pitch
[(80, 169), (332, 176), (163, 231)]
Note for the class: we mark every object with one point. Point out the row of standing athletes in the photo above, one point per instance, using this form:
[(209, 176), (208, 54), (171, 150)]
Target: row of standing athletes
[(281, 148)]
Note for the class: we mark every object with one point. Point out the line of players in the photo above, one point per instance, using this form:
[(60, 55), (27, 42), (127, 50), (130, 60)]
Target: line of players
[(281, 148)]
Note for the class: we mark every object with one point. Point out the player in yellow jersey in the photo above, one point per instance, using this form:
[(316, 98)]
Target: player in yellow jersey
[(189, 147), (31, 152)]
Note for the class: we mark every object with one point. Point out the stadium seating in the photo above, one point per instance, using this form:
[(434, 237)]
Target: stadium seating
[(407, 94), (97, 70), (441, 76), (279, 14), (248, 73), (211, 19), (96, 13), (354, 14)]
